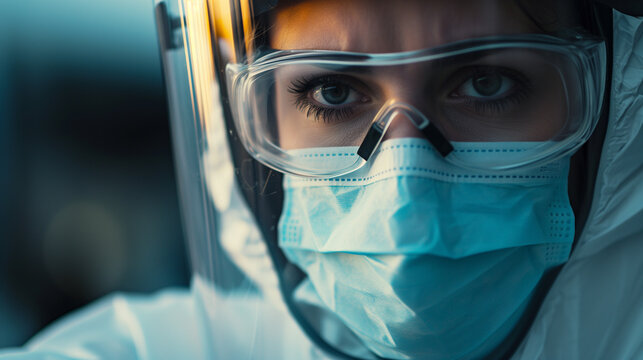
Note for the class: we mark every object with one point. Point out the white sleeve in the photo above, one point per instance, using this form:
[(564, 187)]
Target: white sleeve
[(163, 326)]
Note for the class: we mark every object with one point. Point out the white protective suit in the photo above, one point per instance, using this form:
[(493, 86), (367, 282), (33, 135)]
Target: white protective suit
[(594, 310)]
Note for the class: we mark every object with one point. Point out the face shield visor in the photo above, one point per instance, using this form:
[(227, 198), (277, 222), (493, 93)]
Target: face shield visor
[(450, 121)]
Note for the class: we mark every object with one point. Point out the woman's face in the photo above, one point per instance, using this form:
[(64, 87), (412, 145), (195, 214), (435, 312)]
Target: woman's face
[(510, 96)]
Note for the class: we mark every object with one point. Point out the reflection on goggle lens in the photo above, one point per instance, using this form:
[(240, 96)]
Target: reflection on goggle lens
[(509, 95)]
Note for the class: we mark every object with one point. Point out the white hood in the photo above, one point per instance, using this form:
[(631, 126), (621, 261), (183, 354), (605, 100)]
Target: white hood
[(594, 310)]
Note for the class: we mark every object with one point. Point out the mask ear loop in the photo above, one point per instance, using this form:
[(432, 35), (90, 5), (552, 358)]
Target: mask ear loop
[(382, 121)]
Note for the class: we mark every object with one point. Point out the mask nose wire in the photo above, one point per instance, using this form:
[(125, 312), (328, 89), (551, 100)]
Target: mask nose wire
[(382, 121)]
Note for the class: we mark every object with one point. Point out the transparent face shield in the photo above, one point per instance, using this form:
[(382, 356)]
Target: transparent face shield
[(248, 106)]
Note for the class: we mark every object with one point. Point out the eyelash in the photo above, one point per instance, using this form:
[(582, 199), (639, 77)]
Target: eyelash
[(301, 89), (498, 105)]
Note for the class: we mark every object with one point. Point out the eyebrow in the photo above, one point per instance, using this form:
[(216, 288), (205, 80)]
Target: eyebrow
[(358, 69), (427, 66)]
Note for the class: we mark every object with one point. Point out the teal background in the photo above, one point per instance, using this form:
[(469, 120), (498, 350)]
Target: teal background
[(88, 202)]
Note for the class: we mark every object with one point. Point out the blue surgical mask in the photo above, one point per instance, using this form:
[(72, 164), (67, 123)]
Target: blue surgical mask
[(421, 259)]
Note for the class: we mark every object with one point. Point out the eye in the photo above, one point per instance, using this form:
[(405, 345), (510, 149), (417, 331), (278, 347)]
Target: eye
[(488, 85), (489, 92), (334, 94), (330, 98)]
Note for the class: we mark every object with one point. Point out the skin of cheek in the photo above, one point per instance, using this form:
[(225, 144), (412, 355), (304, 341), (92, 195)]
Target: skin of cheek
[(547, 110), (553, 112), (536, 120), (548, 107)]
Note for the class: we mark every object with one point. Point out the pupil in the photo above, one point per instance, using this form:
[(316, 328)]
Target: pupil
[(334, 94), (488, 84)]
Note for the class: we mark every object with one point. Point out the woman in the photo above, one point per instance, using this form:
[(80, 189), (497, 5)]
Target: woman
[(404, 180)]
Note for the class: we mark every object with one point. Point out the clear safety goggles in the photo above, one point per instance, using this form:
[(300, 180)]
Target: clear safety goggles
[(534, 97)]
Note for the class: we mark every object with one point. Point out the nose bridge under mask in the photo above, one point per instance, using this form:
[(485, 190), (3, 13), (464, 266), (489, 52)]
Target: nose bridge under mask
[(398, 112)]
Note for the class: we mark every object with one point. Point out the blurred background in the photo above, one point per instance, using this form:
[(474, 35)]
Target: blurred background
[(88, 200)]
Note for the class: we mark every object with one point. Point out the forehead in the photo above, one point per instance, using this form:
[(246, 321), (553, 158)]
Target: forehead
[(380, 26)]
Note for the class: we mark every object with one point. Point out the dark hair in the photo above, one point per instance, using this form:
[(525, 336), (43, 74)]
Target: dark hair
[(551, 15)]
